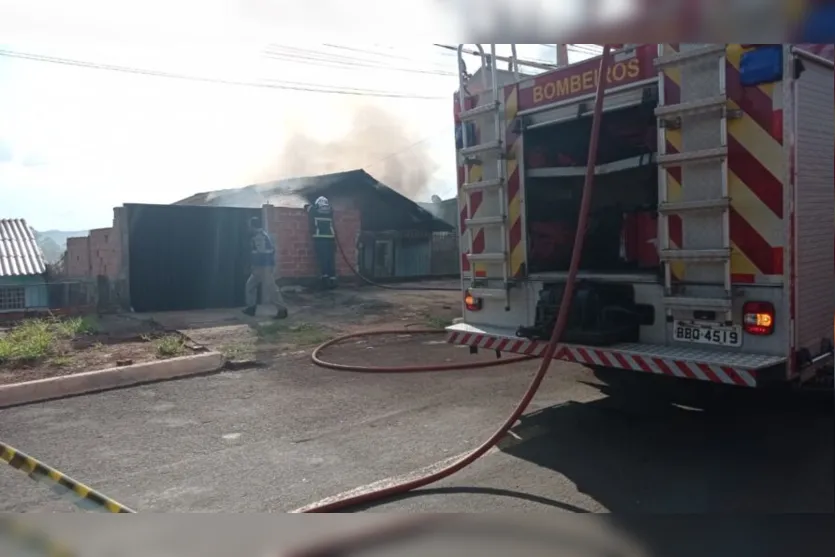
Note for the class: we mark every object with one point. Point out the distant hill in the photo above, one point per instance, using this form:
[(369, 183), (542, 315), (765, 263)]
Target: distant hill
[(53, 243), (60, 236)]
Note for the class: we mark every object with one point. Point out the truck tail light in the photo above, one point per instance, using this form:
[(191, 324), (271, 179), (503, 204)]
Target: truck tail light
[(758, 318), (472, 303)]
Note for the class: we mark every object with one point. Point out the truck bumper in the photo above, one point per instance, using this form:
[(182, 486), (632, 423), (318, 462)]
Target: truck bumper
[(717, 366)]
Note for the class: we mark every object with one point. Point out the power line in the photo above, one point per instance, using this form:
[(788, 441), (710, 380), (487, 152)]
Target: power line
[(578, 48), (586, 49), (521, 61), (290, 54), (581, 51), (389, 60), (272, 84), (439, 65)]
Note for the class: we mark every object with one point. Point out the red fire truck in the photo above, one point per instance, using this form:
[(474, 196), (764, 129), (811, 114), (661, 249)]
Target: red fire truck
[(710, 252)]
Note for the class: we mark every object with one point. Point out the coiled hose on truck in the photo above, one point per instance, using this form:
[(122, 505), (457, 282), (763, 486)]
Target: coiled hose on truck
[(562, 317)]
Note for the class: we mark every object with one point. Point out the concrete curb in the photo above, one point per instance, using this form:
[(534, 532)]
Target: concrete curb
[(111, 378)]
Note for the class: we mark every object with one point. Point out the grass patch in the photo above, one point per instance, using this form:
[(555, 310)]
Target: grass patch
[(435, 322), (62, 360), (38, 339), (31, 340), (238, 352), (75, 327), (170, 346), (303, 334)]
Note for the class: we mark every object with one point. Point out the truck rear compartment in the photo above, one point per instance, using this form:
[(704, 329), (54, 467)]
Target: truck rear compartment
[(621, 238), (622, 231)]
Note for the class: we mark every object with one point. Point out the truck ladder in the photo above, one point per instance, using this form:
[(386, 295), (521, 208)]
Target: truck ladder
[(700, 120), (492, 183)]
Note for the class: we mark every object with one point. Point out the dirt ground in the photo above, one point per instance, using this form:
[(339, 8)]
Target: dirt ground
[(315, 317), (42, 348), (48, 348)]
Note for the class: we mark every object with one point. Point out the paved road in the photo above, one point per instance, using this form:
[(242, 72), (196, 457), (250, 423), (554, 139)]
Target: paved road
[(277, 438)]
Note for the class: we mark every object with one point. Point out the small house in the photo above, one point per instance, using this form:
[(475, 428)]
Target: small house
[(23, 285)]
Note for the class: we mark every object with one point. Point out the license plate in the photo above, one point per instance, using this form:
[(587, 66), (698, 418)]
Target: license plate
[(707, 334)]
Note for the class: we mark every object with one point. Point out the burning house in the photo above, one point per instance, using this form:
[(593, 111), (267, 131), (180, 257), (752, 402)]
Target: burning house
[(397, 238)]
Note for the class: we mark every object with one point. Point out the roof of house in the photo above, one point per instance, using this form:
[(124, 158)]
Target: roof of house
[(384, 206), (20, 254), (446, 210), (290, 192)]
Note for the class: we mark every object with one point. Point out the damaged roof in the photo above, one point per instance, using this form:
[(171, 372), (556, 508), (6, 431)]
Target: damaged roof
[(20, 254), (381, 207)]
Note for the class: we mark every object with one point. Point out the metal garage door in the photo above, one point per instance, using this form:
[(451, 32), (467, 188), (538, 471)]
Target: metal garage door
[(187, 257)]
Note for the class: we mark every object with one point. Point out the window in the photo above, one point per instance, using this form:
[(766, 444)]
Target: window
[(12, 297)]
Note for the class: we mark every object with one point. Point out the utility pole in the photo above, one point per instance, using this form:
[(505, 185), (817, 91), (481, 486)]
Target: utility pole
[(562, 55)]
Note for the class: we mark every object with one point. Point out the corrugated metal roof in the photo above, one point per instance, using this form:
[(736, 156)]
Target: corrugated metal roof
[(20, 254)]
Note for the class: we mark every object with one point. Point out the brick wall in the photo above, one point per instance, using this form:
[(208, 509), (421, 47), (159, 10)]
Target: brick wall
[(97, 254), (78, 257), (294, 246), (105, 252)]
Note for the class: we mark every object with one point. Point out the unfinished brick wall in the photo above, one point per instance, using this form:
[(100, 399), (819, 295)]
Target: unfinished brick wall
[(97, 254), (105, 252), (294, 246), (78, 257)]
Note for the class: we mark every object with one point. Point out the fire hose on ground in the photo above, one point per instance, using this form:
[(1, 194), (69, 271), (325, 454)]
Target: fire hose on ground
[(547, 355)]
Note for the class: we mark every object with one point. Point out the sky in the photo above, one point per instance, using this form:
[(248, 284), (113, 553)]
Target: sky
[(77, 141)]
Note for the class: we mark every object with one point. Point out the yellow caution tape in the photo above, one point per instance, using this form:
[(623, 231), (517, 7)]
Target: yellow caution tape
[(88, 497)]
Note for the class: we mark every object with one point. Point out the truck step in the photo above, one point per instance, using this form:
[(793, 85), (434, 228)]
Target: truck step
[(693, 107), (486, 221), (481, 148), (717, 255), (709, 51), (483, 185), (487, 257), (474, 113), (693, 157), (706, 205), (693, 304)]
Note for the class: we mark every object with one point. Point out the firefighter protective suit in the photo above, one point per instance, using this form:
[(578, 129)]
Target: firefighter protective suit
[(324, 239), (262, 274)]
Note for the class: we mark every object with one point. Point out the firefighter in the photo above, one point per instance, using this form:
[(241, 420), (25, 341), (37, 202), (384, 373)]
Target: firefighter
[(262, 272), (324, 239)]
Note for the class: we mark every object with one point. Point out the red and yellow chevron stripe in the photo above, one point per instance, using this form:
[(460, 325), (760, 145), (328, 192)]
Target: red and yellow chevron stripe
[(516, 248), (755, 173)]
